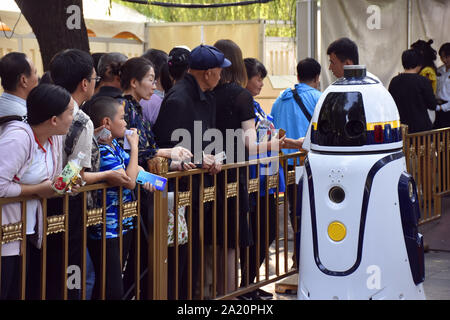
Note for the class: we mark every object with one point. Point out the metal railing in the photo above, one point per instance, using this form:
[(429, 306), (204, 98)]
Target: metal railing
[(427, 156), (151, 270), (159, 269)]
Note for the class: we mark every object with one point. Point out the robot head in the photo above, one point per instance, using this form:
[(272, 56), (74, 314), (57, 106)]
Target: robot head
[(355, 113)]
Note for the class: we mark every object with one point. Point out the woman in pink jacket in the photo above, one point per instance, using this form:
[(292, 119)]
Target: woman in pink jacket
[(30, 159)]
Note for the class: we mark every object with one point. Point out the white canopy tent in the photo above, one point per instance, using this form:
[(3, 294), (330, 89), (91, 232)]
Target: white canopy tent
[(99, 19)]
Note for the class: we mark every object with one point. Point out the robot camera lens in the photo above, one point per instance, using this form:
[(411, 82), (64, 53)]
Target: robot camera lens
[(336, 194), (354, 128)]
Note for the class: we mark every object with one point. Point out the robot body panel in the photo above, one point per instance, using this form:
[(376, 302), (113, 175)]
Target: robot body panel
[(358, 236), (344, 269)]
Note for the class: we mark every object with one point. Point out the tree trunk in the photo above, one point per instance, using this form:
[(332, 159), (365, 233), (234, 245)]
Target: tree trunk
[(55, 26)]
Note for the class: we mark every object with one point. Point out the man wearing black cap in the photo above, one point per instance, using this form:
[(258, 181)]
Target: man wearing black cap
[(190, 101), (189, 106)]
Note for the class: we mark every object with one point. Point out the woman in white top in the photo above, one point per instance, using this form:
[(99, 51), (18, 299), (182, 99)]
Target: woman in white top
[(31, 159)]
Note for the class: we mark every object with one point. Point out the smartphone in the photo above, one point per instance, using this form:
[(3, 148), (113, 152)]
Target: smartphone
[(157, 181), (197, 164), (126, 144)]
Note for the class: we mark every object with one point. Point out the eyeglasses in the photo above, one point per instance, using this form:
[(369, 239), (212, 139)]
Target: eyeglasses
[(97, 78)]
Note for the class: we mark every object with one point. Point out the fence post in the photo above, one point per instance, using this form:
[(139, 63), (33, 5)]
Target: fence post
[(160, 246)]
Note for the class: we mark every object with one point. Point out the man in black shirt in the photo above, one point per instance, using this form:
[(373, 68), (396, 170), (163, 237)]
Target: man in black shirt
[(190, 105), (187, 112), (413, 94)]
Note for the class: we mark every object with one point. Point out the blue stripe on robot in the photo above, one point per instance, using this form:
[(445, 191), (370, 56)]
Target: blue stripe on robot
[(367, 189)]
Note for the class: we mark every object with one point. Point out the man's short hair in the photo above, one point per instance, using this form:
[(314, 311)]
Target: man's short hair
[(308, 69), (344, 49), (12, 66), (411, 59), (102, 107), (69, 67), (444, 50)]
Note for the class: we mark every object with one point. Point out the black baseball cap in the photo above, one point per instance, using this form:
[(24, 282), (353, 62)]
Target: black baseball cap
[(206, 57)]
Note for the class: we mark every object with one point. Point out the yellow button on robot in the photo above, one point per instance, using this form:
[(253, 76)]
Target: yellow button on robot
[(336, 231)]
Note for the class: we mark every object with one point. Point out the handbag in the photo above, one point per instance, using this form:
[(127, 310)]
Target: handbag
[(182, 225)]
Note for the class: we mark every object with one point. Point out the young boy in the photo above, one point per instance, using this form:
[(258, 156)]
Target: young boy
[(107, 112)]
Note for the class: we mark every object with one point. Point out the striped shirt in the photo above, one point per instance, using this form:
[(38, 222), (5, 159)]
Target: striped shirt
[(113, 158)]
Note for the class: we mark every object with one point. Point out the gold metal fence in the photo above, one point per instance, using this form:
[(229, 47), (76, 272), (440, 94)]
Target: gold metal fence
[(151, 270), (159, 269), (427, 156)]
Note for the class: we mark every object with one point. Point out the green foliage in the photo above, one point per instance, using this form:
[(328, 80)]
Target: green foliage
[(278, 10)]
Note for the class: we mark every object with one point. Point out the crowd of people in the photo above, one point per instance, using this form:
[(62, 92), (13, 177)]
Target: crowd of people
[(84, 107), (422, 91)]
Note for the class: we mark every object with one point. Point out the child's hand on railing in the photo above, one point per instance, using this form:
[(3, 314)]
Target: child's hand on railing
[(149, 187), (117, 178)]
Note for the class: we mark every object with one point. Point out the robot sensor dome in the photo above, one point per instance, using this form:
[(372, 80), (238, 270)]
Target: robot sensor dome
[(355, 111)]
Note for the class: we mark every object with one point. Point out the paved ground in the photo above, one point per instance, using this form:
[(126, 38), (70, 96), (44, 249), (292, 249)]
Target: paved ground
[(436, 285), (436, 233), (437, 275), (437, 260)]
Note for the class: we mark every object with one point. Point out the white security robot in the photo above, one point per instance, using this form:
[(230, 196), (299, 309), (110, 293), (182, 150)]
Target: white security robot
[(359, 236)]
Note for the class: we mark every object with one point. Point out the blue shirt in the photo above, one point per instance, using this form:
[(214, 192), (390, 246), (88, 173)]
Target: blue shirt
[(260, 114), (287, 114), (113, 159)]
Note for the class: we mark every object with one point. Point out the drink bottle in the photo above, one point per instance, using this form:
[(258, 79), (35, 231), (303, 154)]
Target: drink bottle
[(70, 175)]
